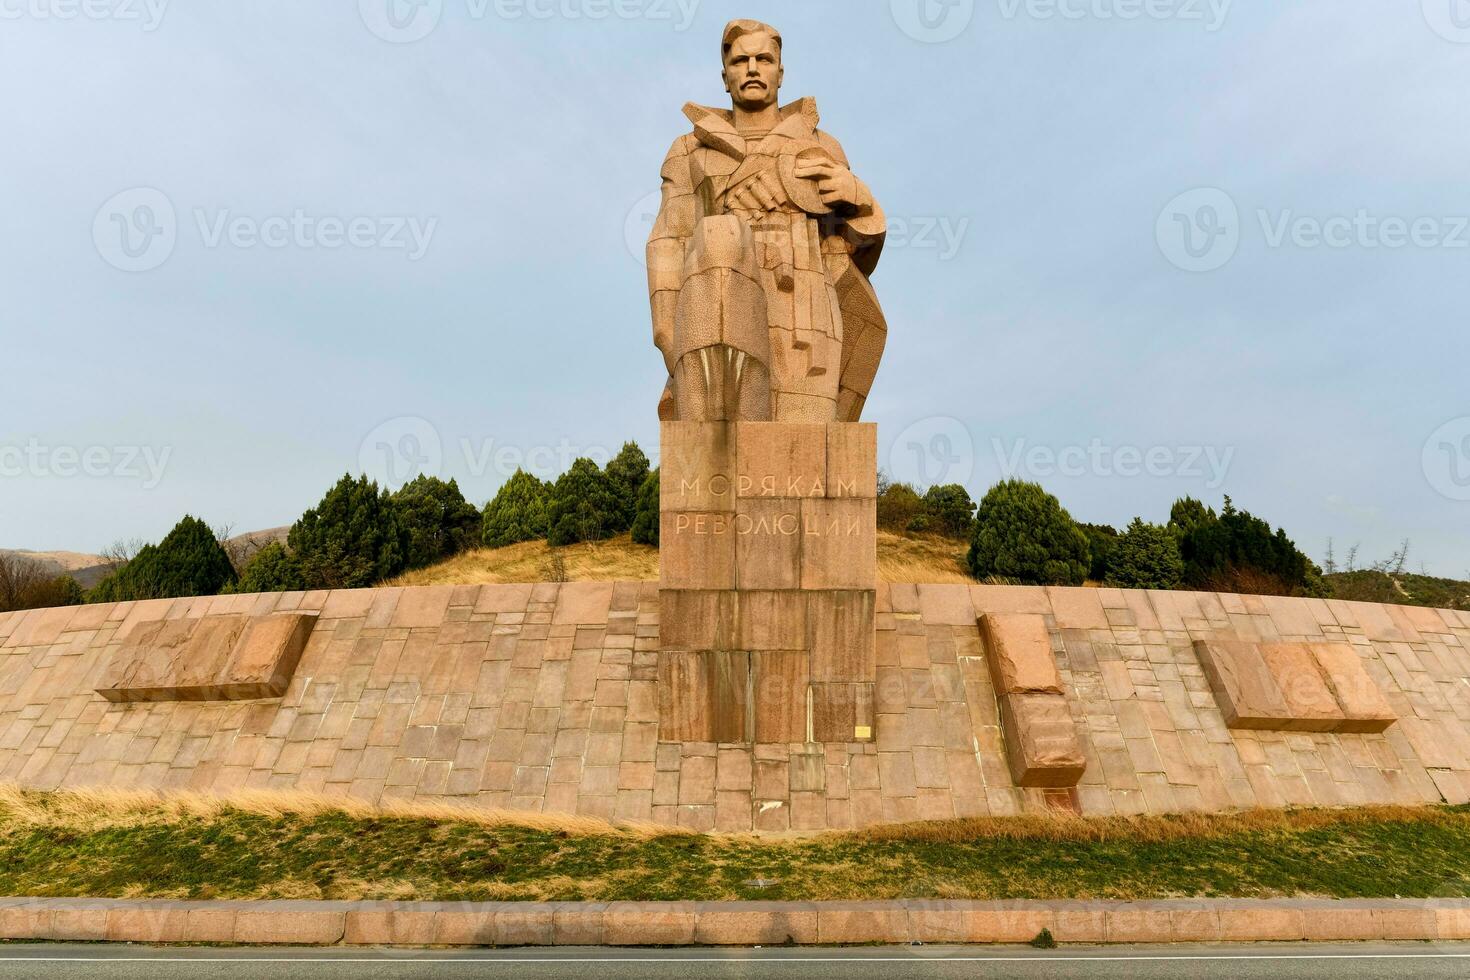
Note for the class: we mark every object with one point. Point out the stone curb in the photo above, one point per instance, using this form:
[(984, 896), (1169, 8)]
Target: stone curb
[(728, 923)]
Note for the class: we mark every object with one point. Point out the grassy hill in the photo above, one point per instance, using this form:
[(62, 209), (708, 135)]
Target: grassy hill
[(1402, 589), (900, 559)]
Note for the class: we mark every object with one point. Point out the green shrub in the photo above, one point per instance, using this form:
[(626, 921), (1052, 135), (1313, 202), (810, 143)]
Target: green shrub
[(352, 539), (625, 475), (645, 519), (271, 569), (1101, 539), (1023, 534), (439, 522), (1238, 552), (950, 510), (518, 512), (584, 505), (189, 561), (1146, 557), (898, 505)]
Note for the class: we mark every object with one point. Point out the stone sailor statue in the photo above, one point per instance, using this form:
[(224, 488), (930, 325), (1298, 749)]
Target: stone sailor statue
[(759, 259)]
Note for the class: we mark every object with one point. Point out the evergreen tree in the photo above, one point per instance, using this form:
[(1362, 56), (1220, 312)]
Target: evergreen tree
[(271, 569), (352, 539), (950, 510), (1146, 557), (626, 473), (1022, 533), (584, 505), (646, 518), (189, 561), (439, 522), (518, 512)]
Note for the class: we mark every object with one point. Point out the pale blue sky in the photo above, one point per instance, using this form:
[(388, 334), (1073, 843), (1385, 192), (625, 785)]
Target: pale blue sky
[(1033, 284)]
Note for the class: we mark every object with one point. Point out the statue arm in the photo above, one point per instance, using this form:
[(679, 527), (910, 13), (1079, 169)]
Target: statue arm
[(864, 225), (672, 230)]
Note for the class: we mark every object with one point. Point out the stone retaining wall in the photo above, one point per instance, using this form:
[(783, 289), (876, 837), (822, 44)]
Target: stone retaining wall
[(545, 698), (729, 923)]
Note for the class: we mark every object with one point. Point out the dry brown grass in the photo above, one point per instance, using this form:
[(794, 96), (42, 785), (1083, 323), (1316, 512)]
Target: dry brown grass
[(104, 807), (1154, 829), (900, 559), (616, 560)]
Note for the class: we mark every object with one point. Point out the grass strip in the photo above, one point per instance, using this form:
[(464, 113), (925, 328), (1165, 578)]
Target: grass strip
[(262, 846)]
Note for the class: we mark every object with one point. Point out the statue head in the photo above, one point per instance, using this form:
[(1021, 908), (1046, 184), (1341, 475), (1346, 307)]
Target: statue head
[(751, 52)]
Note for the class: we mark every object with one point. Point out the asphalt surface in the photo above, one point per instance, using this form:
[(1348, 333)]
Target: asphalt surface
[(1277, 962)]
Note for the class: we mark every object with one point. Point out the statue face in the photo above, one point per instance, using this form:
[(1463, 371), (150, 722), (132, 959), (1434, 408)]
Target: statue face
[(753, 71)]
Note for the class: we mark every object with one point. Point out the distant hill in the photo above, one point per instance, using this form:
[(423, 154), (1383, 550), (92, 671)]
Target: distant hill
[(1401, 589), (89, 569)]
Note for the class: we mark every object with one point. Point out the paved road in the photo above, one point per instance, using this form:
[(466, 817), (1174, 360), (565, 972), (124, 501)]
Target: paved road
[(1403, 962)]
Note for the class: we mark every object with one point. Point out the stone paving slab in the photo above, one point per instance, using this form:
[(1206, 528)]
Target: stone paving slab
[(545, 698), (730, 923)]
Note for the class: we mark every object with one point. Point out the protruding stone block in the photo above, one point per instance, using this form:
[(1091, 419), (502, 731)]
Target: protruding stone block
[(213, 658), (1018, 647), (1310, 706), (1244, 687), (1364, 707), (1041, 740)]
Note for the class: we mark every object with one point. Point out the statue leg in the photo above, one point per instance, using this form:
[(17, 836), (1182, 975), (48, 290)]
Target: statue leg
[(723, 370)]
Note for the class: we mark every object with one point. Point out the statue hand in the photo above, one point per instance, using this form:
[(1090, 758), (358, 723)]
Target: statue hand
[(836, 184)]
